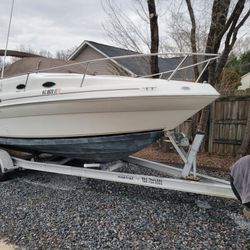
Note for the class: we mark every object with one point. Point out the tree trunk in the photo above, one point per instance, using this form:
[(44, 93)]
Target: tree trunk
[(154, 36), (196, 117), (203, 119), (246, 139), (193, 37)]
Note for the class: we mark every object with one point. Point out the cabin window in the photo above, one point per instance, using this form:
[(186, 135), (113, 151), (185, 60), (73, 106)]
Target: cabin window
[(20, 86), (48, 84)]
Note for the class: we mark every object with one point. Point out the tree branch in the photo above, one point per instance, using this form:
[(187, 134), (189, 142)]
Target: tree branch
[(238, 8), (229, 43)]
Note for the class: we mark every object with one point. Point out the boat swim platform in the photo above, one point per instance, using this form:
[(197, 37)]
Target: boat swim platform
[(184, 179)]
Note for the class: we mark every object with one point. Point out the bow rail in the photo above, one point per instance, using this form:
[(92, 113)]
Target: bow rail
[(204, 60), (161, 55)]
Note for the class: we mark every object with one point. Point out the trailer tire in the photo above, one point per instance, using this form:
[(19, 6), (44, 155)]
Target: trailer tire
[(2, 176)]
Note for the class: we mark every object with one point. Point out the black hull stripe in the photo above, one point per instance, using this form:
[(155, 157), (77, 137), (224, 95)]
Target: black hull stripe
[(89, 149)]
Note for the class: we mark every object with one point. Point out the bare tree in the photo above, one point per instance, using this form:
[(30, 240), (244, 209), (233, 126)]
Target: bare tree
[(45, 53), (138, 32), (223, 26), (178, 33), (178, 26), (64, 54), (123, 30)]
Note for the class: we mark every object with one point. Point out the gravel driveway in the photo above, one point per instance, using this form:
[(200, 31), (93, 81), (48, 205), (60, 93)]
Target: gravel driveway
[(49, 211)]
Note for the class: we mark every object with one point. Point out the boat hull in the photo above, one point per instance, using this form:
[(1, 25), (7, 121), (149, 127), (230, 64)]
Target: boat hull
[(96, 149), (81, 117)]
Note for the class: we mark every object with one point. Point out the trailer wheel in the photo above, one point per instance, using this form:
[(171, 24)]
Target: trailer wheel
[(2, 176), (6, 164)]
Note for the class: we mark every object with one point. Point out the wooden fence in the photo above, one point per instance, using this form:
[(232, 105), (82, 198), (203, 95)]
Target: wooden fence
[(227, 124)]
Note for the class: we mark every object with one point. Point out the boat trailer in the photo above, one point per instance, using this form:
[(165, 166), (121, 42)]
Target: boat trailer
[(186, 179)]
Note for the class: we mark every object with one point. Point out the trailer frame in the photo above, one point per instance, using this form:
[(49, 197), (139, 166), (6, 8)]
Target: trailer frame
[(184, 179)]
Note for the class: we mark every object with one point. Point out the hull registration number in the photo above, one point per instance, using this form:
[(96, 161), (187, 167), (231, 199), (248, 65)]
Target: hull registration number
[(51, 91)]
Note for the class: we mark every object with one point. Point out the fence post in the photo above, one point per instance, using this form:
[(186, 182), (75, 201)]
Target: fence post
[(211, 128), (246, 139)]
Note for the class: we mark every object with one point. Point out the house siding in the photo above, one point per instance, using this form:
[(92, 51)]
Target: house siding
[(245, 81), (98, 68)]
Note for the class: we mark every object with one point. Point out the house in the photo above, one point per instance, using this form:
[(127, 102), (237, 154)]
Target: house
[(136, 66), (245, 81)]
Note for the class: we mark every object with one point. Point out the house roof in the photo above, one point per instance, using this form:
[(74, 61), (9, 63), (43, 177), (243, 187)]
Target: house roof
[(138, 65), (106, 50), (32, 64)]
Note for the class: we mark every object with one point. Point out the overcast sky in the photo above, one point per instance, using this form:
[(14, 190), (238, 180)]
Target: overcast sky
[(62, 24), (52, 24)]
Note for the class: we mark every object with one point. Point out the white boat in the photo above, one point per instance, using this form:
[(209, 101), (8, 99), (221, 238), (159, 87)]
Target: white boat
[(94, 118)]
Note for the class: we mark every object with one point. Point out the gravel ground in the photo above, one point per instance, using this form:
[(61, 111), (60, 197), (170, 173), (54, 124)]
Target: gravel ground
[(49, 211)]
